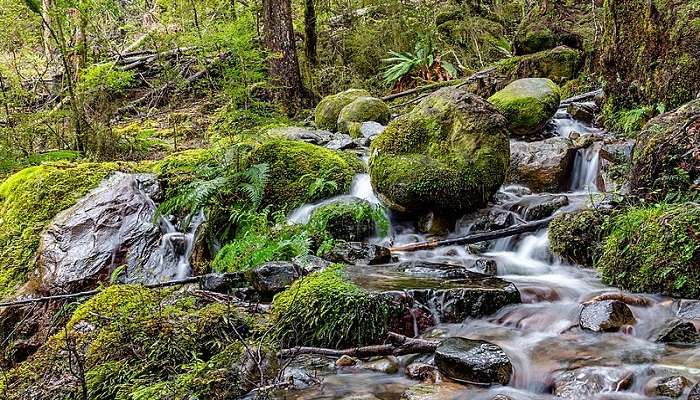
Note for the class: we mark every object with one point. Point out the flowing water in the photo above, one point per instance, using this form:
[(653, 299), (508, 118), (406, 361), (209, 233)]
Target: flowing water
[(541, 336)]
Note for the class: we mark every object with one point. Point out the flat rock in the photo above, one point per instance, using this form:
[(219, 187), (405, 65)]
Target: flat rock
[(587, 382), (473, 361), (543, 166), (679, 332), (605, 316), (273, 277), (358, 253)]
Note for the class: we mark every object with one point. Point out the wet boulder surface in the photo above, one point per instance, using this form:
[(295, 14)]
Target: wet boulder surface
[(543, 166), (606, 316), (473, 361)]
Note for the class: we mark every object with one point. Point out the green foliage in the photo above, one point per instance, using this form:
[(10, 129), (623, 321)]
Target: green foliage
[(352, 221), (654, 249), (422, 62), (577, 236), (629, 122), (325, 310), (105, 80), (244, 121)]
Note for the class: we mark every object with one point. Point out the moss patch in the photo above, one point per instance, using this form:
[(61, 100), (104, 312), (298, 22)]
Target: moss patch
[(654, 249), (349, 220), (328, 110), (527, 104), (577, 236), (362, 109)]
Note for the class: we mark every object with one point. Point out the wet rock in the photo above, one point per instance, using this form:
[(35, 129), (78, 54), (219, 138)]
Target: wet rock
[(431, 391), (605, 316), (584, 112), (371, 129), (485, 266), (501, 397), (345, 361), (694, 392), (408, 318), (385, 365), (328, 110), (533, 295), (349, 218), (358, 253), (273, 277), (546, 209), (310, 263), (342, 142), (308, 370), (362, 109), (422, 371), (309, 135), (680, 332), (542, 166), (587, 382), (496, 219), (111, 226), (672, 386), (689, 309), (473, 361), (223, 283), (434, 224), (527, 104)]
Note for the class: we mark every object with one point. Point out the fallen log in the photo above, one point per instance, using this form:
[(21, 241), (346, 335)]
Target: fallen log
[(581, 97), (435, 86), (400, 345), (475, 238)]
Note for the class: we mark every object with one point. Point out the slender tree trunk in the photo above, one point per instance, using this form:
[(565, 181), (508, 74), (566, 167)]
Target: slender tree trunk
[(283, 62), (310, 32), (46, 34)]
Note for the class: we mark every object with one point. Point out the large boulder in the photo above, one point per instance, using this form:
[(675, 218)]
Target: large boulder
[(527, 104), (605, 316), (362, 109), (666, 157), (449, 154), (473, 361), (328, 110), (542, 166), (650, 52)]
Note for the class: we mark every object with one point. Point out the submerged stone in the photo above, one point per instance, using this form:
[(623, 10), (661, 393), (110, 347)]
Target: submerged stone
[(473, 361), (587, 382), (606, 316)]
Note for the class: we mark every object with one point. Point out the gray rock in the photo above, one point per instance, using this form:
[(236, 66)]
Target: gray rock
[(434, 391), (680, 332), (485, 266), (385, 365), (546, 209), (542, 166), (309, 263), (689, 309), (273, 277), (495, 219), (671, 386), (694, 392), (421, 371), (473, 361), (343, 142), (358, 253), (371, 129), (309, 135), (605, 316), (587, 382), (582, 111), (222, 283)]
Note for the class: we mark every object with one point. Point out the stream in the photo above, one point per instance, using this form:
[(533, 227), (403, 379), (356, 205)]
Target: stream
[(541, 336)]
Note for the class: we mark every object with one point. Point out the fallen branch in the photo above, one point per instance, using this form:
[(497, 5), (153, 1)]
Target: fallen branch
[(456, 83), (475, 238), (623, 297), (581, 97), (401, 345)]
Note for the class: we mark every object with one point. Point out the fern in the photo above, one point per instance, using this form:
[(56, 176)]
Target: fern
[(256, 177)]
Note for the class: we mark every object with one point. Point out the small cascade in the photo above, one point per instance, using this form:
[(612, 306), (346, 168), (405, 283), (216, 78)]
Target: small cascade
[(176, 247), (584, 177)]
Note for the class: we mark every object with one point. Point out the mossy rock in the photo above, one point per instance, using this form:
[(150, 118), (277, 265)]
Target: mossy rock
[(29, 200), (450, 154), (134, 340), (578, 236), (328, 110), (351, 220), (527, 104), (560, 65), (362, 109), (654, 249), (326, 310), (665, 162), (296, 167), (181, 168)]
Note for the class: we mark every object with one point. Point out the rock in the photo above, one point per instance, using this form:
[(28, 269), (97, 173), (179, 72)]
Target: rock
[(495, 219), (606, 316), (408, 317), (343, 142), (422, 371), (546, 209), (385, 365), (584, 112), (358, 253), (350, 219), (222, 283), (671, 386), (433, 391), (371, 129), (485, 266), (678, 331), (587, 382), (273, 277), (527, 104), (665, 159), (548, 25), (560, 65), (307, 370), (689, 309), (473, 361), (542, 166), (449, 154), (328, 110), (309, 263), (362, 109), (315, 136), (345, 361), (694, 392)]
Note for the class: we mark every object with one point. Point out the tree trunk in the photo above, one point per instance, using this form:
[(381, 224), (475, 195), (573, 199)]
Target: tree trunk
[(46, 34), (310, 31), (283, 63)]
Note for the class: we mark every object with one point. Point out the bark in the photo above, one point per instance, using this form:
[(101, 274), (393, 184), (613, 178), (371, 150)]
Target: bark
[(283, 62), (310, 32)]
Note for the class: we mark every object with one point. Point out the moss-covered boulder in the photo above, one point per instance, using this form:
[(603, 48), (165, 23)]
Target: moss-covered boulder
[(325, 310), (666, 157), (362, 109), (650, 52), (654, 249), (29, 200), (301, 172), (449, 154), (134, 342), (351, 220), (328, 110), (578, 236), (527, 104)]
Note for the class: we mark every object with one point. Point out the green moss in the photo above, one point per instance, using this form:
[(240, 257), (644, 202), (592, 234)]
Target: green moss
[(363, 109), (527, 104), (29, 200), (234, 120), (577, 236), (301, 172), (323, 309), (450, 153), (654, 249), (352, 221), (328, 110), (179, 169)]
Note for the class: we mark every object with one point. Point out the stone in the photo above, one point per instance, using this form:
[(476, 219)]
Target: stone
[(605, 316), (473, 361), (371, 129), (314, 136), (310, 263), (358, 253), (273, 277), (343, 142), (345, 361), (434, 391), (689, 309), (422, 371), (694, 392), (222, 282), (362, 109), (542, 166), (546, 208), (671, 386), (678, 332), (584, 112), (587, 382), (495, 219), (349, 218), (448, 155), (527, 104), (328, 110), (385, 365)]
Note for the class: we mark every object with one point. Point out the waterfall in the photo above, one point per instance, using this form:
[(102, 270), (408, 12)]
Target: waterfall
[(584, 177)]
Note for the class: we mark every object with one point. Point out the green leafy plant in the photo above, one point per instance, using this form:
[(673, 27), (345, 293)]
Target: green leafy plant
[(425, 63)]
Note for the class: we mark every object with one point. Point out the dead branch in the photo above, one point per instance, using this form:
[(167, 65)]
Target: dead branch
[(475, 238), (400, 345)]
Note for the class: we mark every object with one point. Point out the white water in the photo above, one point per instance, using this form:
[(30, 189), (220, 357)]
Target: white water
[(176, 247)]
